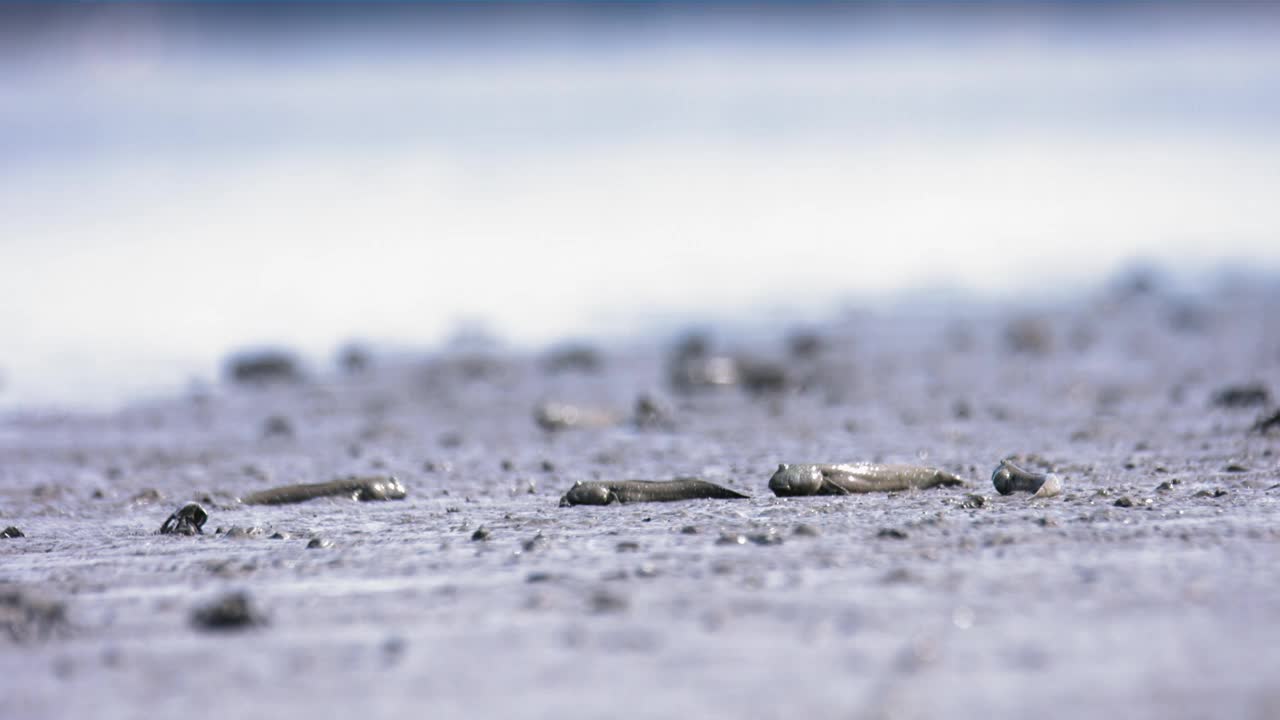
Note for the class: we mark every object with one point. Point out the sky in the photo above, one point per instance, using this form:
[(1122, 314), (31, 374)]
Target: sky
[(179, 182)]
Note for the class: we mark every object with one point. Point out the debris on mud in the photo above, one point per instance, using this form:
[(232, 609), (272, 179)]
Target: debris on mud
[(1266, 423), (652, 412), (232, 611), (260, 367), (26, 616), (573, 357), (277, 426), (1029, 335), (556, 416), (1242, 396), (1215, 493)]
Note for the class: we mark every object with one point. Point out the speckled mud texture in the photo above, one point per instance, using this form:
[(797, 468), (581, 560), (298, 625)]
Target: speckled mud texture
[(1150, 588)]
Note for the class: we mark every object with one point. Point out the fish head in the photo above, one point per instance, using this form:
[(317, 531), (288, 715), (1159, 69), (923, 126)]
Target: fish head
[(795, 480)]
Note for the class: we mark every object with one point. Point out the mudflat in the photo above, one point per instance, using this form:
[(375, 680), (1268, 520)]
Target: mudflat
[(1146, 589)]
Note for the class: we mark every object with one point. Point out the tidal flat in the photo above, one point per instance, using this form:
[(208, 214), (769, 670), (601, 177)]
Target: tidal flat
[(1146, 589)]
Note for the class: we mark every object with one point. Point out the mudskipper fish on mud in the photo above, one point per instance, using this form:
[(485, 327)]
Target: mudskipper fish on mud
[(357, 488), (1009, 478), (844, 479), (632, 491)]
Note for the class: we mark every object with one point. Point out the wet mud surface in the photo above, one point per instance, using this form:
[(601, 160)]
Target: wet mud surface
[(1148, 588)]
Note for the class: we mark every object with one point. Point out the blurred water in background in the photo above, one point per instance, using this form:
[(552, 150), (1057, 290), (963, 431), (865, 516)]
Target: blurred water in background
[(176, 181)]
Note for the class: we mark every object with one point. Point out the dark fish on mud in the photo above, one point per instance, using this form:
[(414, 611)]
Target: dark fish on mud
[(633, 491), (357, 488), (1009, 478), (844, 479)]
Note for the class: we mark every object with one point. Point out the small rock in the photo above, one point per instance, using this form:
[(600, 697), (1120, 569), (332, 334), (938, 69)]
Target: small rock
[(1029, 335), (973, 501), (260, 367), (11, 532), (548, 466), (689, 530), (628, 546), (898, 575), (232, 611), (603, 601), (652, 412), (1241, 396), (1216, 493), (804, 344), (538, 577), (1266, 423), (1124, 502), (481, 533), (354, 359), (769, 537), (759, 377), (535, 542), (236, 532), (1235, 468), (148, 495), (804, 530), (27, 616), (557, 416), (731, 539), (319, 543), (277, 426), (891, 534), (279, 536), (573, 357)]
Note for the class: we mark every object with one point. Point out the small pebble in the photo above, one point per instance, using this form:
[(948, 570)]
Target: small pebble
[(481, 533), (603, 601), (319, 543), (233, 611), (804, 530), (892, 534), (770, 537), (731, 539), (534, 542), (11, 532), (1124, 502), (1218, 492)]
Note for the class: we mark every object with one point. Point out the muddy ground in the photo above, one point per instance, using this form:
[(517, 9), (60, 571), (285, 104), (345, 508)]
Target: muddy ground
[(907, 605)]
